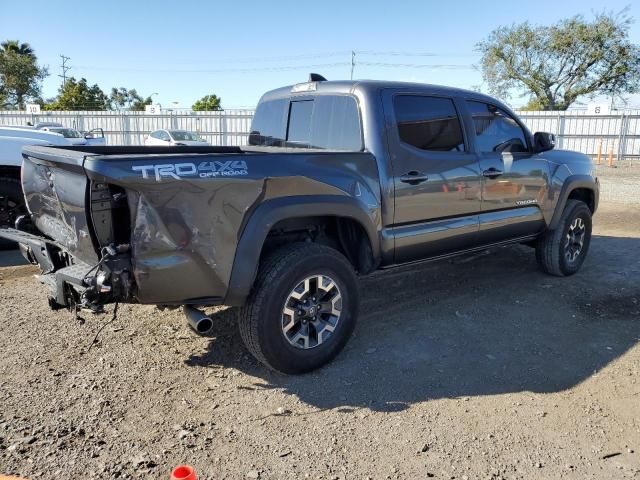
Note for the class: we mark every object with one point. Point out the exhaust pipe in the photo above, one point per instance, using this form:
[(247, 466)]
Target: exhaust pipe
[(197, 320)]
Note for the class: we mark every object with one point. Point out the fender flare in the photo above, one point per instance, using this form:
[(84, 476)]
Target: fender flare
[(267, 214), (570, 184)]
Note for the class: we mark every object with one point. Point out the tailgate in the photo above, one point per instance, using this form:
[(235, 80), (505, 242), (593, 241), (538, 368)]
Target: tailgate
[(56, 190)]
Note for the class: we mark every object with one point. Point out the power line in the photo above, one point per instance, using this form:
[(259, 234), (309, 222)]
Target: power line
[(219, 70), (420, 65), (413, 54), (65, 69)]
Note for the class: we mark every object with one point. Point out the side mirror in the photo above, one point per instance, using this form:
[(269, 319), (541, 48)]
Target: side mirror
[(543, 141)]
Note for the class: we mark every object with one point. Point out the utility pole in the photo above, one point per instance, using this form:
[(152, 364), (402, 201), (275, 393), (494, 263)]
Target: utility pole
[(65, 69), (353, 62)]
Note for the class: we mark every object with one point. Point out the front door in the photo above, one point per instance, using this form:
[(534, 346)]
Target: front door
[(436, 177), (514, 179)]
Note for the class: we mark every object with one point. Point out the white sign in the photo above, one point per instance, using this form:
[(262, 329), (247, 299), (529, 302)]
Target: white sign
[(152, 109), (32, 108), (598, 109)]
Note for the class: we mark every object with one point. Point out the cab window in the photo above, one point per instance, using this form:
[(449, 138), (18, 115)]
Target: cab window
[(428, 123), (496, 130), (323, 122)]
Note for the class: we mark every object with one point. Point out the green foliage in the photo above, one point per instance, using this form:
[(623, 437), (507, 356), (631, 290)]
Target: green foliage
[(534, 105), (560, 63), (207, 103), (121, 98), (139, 105), (78, 95), (14, 46), (20, 76)]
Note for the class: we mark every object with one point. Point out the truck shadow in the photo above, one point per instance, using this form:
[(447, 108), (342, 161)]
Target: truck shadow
[(480, 325)]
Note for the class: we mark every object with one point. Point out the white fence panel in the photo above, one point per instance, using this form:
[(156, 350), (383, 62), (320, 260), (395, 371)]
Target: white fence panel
[(228, 127), (576, 130)]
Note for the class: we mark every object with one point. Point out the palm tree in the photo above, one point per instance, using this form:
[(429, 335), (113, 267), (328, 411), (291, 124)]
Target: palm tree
[(21, 74), (14, 46)]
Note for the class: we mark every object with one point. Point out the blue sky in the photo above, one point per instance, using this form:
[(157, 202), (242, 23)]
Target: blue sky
[(186, 49)]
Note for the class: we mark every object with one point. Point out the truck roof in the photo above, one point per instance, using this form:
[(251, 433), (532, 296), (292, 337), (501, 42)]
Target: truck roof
[(373, 86)]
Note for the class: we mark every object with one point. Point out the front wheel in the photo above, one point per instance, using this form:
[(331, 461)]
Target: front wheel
[(303, 308), (562, 251)]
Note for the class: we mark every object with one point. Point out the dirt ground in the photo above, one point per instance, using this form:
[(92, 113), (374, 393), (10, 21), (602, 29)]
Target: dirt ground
[(476, 368)]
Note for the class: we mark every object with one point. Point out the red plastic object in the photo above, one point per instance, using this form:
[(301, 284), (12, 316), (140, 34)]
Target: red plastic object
[(183, 472)]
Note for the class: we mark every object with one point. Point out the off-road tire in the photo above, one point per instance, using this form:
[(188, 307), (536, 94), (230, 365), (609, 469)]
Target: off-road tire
[(261, 319), (10, 192), (550, 249)]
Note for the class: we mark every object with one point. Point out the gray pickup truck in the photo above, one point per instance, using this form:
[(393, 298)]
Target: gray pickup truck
[(339, 179)]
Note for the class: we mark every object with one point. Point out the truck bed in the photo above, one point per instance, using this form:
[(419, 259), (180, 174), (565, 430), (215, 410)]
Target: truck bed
[(177, 212)]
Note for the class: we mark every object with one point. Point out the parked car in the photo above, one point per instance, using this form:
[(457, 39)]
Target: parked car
[(12, 139), (92, 137), (174, 137), (340, 179)]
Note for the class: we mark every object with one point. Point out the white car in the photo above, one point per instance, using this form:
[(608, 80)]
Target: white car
[(174, 137), (93, 137)]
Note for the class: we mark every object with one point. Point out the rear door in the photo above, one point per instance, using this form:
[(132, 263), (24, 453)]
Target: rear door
[(514, 179), (435, 175)]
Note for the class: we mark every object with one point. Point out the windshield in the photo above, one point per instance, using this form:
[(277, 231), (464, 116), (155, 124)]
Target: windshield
[(66, 132), (185, 136), (325, 121)]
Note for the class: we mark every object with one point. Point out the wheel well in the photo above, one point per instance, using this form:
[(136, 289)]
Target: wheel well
[(10, 171), (344, 234), (584, 195)]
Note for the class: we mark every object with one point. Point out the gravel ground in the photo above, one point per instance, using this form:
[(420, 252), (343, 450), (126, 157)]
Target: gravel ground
[(476, 368), (620, 183)]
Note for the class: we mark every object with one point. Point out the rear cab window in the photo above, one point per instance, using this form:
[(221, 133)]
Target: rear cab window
[(330, 122), (428, 123)]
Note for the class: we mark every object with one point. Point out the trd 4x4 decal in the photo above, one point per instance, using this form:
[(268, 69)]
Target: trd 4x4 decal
[(229, 168)]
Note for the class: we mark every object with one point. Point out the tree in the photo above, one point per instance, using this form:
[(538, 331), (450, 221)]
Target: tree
[(20, 76), (555, 65), (207, 103), (18, 48), (121, 98), (78, 95), (139, 105)]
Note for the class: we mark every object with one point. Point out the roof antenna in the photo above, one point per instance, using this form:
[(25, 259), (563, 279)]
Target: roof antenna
[(316, 77)]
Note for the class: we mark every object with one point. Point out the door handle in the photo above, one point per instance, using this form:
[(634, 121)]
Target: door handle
[(492, 173), (414, 178)]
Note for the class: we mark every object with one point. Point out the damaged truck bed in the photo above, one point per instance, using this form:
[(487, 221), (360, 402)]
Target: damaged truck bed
[(165, 226)]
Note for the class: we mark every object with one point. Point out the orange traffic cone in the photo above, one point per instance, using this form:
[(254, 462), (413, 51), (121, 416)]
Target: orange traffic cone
[(183, 472)]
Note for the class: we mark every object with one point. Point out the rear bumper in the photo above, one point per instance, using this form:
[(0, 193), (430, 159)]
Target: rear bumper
[(35, 249), (72, 282), (40, 251)]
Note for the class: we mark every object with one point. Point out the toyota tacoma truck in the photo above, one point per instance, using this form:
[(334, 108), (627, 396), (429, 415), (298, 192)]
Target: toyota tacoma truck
[(340, 178)]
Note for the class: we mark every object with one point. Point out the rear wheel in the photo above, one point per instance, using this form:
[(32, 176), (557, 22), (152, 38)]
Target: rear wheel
[(303, 308), (562, 251), (11, 206)]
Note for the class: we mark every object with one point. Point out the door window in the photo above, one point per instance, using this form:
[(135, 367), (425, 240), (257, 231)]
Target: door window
[(496, 130), (428, 123)]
